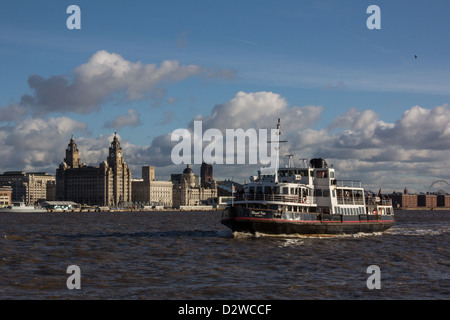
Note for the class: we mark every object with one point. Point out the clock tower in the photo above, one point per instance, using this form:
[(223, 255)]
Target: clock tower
[(115, 157), (72, 158), (121, 181)]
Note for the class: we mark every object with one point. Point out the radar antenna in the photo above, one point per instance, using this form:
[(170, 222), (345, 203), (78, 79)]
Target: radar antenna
[(291, 161)]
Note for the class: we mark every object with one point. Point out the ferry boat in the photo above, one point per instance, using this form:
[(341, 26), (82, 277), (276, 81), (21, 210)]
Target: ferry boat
[(306, 200)]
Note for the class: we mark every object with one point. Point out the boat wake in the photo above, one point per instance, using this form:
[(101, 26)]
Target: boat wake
[(415, 231), (238, 234)]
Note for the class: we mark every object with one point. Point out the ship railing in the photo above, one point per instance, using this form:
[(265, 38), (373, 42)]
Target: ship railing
[(350, 200), (348, 184), (378, 201), (276, 197)]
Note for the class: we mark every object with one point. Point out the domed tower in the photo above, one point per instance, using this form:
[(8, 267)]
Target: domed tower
[(72, 158), (115, 156), (188, 176)]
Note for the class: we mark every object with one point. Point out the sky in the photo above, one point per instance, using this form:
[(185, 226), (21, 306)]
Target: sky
[(372, 102)]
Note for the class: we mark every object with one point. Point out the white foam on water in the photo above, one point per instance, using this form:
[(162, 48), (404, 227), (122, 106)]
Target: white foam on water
[(419, 231)]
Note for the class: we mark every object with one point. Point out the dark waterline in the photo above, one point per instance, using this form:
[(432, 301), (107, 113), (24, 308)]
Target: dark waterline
[(190, 255)]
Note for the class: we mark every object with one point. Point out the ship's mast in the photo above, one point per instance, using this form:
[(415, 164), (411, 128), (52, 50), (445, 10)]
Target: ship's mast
[(277, 149)]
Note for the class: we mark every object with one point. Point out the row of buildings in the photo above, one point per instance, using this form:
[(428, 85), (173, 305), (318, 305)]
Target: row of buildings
[(414, 201), (28, 187), (108, 184)]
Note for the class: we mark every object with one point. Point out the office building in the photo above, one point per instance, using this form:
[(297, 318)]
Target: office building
[(27, 187), (186, 192), (5, 196), (108, 184), (149, 191)]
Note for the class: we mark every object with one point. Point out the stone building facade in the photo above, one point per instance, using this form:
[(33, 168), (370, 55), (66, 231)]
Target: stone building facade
[(187, 193), (150, 191), (5, 196), (27, 187), (108, 184)]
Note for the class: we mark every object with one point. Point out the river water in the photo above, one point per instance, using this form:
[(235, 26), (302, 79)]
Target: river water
[(190, 255)]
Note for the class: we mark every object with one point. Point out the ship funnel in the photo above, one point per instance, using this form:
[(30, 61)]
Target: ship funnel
[(318, 163)]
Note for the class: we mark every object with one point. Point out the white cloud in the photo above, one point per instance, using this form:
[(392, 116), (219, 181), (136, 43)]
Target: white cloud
[(106, 76), (259, 110), (131, 119), (36, 143), (12, 113), (422, 128)]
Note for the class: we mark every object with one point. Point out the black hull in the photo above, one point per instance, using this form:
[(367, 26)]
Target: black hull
[(275, 227), (242, 221)]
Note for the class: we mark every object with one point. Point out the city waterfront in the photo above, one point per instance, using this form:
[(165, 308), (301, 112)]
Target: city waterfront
[(190, 255)]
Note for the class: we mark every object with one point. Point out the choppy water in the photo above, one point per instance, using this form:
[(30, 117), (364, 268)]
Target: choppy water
[(190, 255)]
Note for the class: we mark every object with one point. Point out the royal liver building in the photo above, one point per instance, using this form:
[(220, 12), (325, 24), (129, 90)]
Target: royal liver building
[(108, 184)]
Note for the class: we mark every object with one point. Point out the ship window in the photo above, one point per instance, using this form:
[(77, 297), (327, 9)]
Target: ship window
[(318, 192), (334, 193), (304, 173), (285, 190), (268, 190), (326, 193), (321, 174), (337, 210)]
